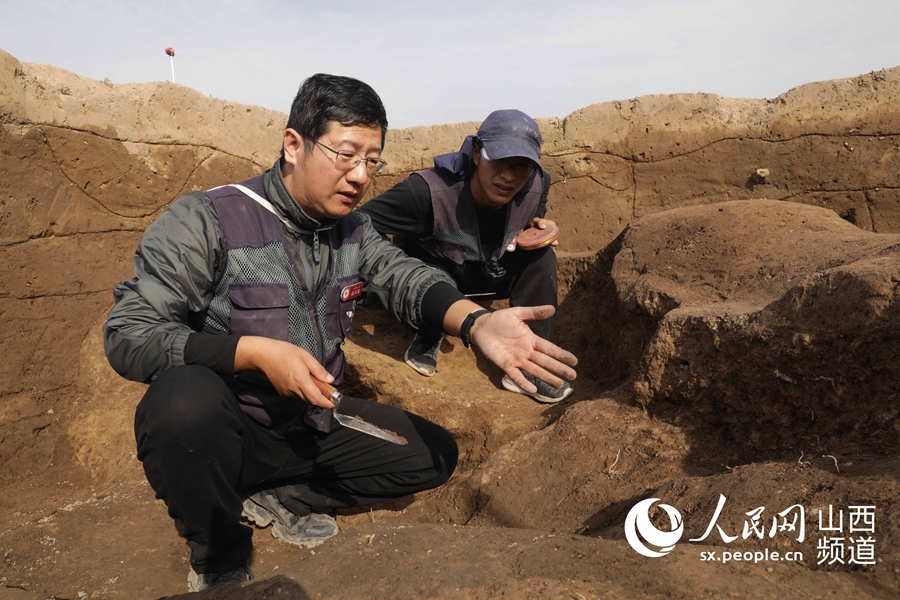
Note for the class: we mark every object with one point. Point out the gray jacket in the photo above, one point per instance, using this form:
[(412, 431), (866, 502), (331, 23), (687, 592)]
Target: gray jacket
[(178, 258)]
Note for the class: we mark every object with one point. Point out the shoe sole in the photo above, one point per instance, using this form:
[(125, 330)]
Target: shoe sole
[(256, 514), (511, 386), (278, 534), (420, 370)]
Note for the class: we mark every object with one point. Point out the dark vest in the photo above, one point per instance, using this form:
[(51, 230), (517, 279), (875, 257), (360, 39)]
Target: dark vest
[(456, 225), (261, 291)]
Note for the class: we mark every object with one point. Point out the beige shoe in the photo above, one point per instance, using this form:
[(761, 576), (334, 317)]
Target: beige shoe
[(545, 393)]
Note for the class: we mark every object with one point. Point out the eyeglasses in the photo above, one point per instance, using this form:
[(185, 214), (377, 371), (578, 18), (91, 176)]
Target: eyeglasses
[(345, 160), (520, 170)]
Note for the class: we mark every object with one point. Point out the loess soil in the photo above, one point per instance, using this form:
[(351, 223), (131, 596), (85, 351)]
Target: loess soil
[(737, 337)]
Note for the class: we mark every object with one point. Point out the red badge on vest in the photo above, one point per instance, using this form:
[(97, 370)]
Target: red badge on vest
[(352, 291)]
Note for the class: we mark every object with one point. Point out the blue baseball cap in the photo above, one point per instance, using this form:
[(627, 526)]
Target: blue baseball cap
[(507, 133)]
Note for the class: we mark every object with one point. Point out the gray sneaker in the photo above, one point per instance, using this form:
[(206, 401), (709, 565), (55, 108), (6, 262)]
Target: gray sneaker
[(264, 508), (545, 393), (204, 581), (422, 354)]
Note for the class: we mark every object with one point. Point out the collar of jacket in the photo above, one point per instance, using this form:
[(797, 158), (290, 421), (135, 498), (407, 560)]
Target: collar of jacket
[(458, 164), (278, 194)]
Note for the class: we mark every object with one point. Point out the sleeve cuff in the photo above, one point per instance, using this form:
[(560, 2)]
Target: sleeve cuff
[(437, 301), (213, 351)]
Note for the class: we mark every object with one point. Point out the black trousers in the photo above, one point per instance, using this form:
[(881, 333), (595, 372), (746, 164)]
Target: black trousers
[(200, 452), (530, 280)]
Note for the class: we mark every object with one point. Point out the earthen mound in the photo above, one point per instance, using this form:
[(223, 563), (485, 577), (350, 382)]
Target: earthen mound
[(763, 324)]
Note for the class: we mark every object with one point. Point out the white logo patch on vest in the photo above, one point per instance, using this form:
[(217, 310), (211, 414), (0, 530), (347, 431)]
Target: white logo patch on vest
[(352, 291)]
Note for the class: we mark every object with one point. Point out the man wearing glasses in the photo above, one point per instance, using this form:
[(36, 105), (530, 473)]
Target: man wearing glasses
[(241, 298), (463, 216)]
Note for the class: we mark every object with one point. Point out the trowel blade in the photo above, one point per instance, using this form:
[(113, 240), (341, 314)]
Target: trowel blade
[(356, 423), (360, 425)]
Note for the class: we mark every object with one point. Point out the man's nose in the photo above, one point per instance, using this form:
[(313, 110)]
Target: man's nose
[(508, 174), (359, 174)]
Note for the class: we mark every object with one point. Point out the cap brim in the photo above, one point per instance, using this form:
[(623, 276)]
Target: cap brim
[(498, 150)]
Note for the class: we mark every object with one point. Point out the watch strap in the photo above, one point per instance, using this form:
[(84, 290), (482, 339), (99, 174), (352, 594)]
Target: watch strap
[(465, 329)]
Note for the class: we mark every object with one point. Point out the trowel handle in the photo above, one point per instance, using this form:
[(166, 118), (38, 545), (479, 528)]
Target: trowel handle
[(328, 390)]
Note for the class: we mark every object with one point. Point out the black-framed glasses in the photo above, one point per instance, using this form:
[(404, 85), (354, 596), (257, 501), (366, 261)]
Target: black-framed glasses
[(345, 160), (520, 170)]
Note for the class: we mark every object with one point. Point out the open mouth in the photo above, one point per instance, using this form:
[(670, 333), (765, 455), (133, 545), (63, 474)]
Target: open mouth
[(348, 197)]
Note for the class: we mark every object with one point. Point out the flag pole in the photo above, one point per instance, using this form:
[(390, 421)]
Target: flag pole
[(171, 53)]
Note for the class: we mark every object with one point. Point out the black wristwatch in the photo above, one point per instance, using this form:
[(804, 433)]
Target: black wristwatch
[(466, 328)]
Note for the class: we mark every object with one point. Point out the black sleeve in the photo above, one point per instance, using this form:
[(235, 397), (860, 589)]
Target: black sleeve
[(541, 209), (437, 301), (405, 209), (211, 350)]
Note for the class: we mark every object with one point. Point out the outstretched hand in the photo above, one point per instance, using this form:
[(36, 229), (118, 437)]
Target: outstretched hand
[(508, 342), (289, 368)]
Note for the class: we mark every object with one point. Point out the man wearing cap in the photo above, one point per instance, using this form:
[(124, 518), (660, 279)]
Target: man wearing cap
[(464, 215)]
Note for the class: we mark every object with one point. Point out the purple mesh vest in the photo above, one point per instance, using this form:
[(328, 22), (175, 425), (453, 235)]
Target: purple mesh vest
[(260, 290), (456, 226)]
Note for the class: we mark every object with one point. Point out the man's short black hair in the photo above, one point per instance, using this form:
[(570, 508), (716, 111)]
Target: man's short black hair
[(323, 98)]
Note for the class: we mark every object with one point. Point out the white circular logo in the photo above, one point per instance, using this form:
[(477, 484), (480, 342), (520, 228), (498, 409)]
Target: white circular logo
[(638, 522)]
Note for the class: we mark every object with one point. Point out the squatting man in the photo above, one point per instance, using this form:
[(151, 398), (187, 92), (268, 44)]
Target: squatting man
[(465, 216), (241, 298)]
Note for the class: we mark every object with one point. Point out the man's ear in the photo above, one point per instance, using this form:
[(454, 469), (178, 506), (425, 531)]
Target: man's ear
[(294, 148)]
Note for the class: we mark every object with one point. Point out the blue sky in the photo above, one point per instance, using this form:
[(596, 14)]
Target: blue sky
[(444, 62)]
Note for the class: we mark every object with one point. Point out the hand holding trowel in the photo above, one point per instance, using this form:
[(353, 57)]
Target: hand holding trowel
[(351, 422)]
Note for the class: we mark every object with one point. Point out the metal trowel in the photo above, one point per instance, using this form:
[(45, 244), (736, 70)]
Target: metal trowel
[(352, 422)]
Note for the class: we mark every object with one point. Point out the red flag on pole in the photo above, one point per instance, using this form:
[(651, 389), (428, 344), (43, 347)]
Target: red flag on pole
[(171, 52)]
